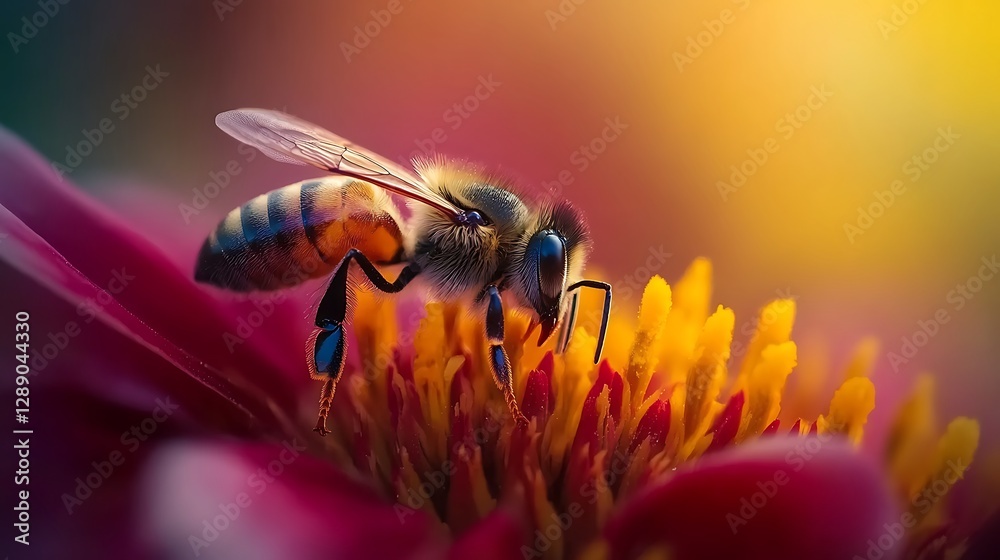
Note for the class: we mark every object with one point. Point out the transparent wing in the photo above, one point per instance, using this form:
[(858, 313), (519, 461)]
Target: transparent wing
[(289, 139)]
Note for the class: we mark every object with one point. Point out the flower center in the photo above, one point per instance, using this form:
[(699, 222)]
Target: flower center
[(426, 422)]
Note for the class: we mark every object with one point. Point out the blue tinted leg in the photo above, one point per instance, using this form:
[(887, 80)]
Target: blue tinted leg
[(328, 343), (498, 356)]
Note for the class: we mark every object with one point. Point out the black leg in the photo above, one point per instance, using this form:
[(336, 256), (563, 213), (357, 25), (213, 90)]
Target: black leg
[(498, 356), (607, 310), (328, 342)]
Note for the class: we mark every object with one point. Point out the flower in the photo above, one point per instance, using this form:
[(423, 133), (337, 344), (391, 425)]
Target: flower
[(174, 422)]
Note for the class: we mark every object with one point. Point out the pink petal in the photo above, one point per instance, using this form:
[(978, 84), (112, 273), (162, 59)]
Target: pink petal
[(33, 257), (87, 453), (161, 296), (91, 386), (774, 499), (78, 353), (272, 502)]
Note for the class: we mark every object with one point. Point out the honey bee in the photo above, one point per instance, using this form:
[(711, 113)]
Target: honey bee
[(468, 238)]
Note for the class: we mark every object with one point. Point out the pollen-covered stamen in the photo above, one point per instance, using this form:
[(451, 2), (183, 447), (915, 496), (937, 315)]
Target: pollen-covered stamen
[(432, 430)]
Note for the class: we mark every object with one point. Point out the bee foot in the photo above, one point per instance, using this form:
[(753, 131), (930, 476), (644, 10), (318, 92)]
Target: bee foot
[(321, 428)]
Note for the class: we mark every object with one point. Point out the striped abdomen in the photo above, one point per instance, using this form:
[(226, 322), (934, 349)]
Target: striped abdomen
[(298, 232)]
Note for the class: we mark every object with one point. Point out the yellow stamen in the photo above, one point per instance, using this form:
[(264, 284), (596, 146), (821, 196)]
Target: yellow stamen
[(912, 437), (774, 326), (691, 297), (706, 377), (645, 347), (764, 387), (849, 409), (955, 451), (433, 378)]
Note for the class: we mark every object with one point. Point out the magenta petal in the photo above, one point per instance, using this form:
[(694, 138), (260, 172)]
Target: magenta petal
[(157, 295), (218, 500), (772, 499), (38, 260), (73, 353)]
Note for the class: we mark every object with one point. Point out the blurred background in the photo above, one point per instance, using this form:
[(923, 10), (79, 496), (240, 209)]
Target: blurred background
[(843, 153)]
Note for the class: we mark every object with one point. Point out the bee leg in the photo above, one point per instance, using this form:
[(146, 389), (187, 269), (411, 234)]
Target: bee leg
[(566, 331), (498, 356), (328, 343)]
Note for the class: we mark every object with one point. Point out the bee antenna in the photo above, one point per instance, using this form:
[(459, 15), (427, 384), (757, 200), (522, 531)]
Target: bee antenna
[(597, 285)]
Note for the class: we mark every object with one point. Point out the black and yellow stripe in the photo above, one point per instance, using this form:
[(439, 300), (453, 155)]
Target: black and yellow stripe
[(298, 232)]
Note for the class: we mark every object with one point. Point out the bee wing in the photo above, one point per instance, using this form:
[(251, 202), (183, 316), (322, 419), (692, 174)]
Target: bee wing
[(289, 139)]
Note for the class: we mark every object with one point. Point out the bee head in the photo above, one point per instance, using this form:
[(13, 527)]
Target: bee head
[(553, 257)]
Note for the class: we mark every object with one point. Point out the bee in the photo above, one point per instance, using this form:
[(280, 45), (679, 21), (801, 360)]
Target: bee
[(468, 239)]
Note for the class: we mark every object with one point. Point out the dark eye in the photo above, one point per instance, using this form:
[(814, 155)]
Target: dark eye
[(551, 264), (474, 218)]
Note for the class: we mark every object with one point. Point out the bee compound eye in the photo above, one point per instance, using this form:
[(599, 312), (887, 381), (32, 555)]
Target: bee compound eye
[(474, 218), (551, 264)]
